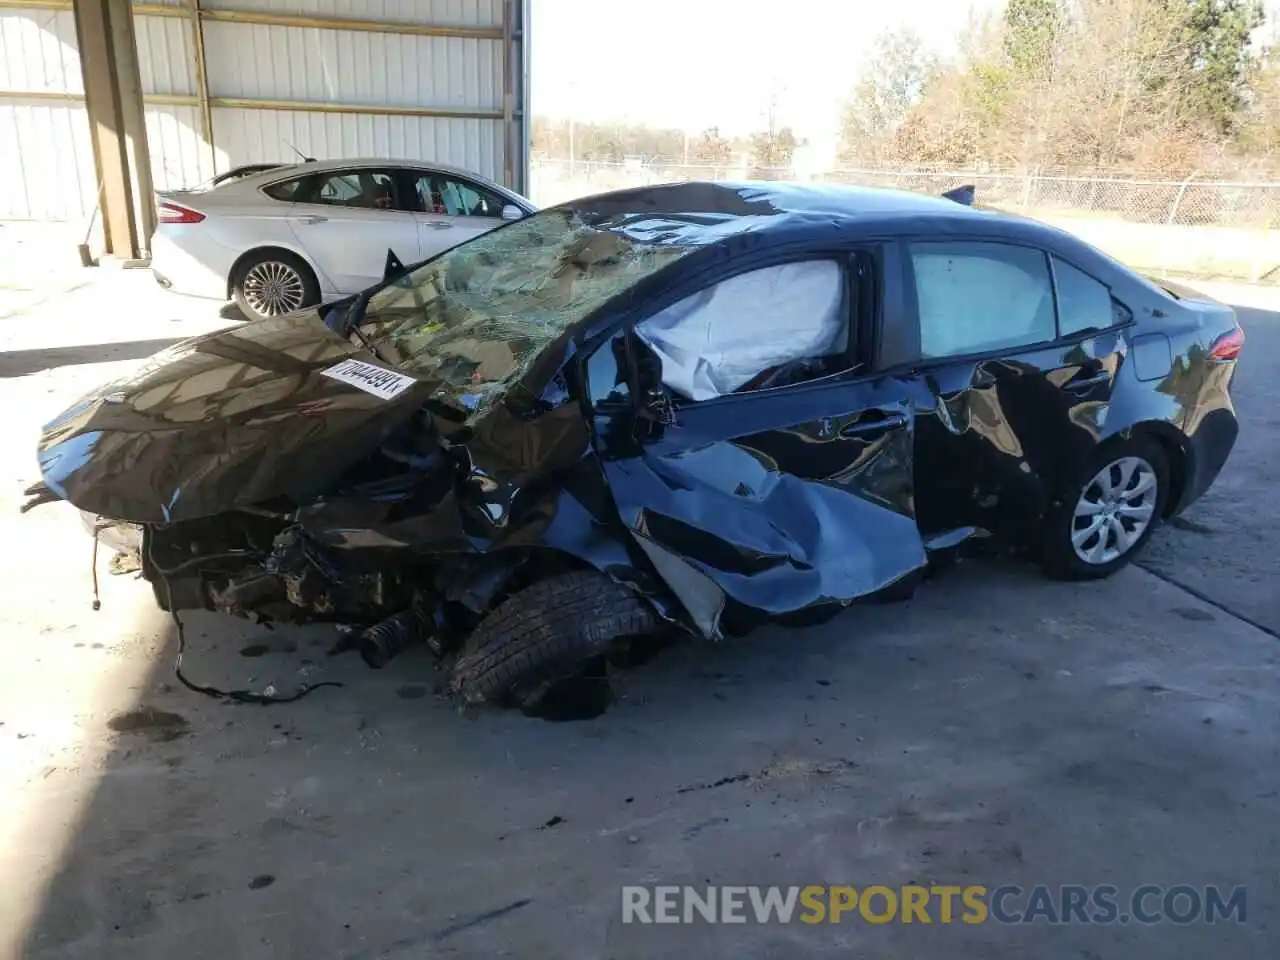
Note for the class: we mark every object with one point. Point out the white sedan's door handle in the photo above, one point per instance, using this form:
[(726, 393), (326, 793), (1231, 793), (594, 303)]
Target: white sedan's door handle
[(314, 219), (439, 224)]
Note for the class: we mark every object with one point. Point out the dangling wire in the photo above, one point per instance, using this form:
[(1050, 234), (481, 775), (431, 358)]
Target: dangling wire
[(239, 696), (97, 599)]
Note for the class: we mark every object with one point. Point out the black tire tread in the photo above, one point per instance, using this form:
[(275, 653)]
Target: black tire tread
[(549, 627)]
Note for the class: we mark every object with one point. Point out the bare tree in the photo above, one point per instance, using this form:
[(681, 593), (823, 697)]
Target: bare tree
[(711, 148), (890, 83), (773, 148)]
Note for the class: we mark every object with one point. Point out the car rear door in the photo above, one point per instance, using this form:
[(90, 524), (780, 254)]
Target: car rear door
[(347, 220), (788, 500), (450, 210), (1013, 352)]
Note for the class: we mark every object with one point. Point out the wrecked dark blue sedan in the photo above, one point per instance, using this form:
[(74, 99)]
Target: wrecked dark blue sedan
[(701, 405)]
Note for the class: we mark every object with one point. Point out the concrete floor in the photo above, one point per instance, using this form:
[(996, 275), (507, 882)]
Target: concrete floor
[(999, 729)]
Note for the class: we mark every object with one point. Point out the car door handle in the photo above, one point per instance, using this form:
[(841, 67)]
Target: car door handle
[(869, 428), (310, 220), (439, 224), (1076, 385)]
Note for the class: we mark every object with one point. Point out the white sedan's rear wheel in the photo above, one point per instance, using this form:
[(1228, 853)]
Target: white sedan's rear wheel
[(272, 283)]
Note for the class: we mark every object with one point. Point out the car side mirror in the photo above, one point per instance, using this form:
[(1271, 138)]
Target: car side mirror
[(512, 212), (393, 266)]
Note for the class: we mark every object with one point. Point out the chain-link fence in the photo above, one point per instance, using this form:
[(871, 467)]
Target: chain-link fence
[(1218, 229), (1173, 202), (1187, 202)]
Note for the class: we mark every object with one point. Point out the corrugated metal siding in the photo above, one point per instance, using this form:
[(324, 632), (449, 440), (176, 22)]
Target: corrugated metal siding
[(45, 154), (249, 61), (47, 161), (175, 138), (345, 66), (179, 155), (472, 13), (243, 136), (56, 180), (166, 57), (38, 52)]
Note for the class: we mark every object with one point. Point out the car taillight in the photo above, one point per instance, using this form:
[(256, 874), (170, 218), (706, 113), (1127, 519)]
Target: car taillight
[(1227, 346), (172, 213)]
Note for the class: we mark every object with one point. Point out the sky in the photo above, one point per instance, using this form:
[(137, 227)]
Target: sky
[(699, 63)]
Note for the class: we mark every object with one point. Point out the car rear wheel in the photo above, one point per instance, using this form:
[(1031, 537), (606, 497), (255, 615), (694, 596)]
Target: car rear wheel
[(1103, 521), (546, 634), (273, 282)]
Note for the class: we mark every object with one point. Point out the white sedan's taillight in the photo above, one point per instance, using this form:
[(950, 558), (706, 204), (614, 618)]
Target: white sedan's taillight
[(173, 213)]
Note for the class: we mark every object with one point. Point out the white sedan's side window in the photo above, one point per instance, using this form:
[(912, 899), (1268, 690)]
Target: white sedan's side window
[(370, 189), (286, 190), (451, 197), (719, 339)]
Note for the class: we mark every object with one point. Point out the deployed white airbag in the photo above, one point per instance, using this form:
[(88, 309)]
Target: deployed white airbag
[(715, 341)]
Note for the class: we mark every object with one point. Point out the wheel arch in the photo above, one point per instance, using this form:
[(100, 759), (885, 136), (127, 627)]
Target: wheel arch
[(1179, 456)]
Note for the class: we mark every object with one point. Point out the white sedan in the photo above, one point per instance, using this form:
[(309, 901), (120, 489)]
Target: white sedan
[(285, 237)]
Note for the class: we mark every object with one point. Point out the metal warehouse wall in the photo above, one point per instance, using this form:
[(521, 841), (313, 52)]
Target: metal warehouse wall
[(46, 158), (227, 82)]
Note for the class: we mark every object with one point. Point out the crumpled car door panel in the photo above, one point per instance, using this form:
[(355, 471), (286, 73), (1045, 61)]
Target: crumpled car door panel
[(785, 500), (999, 438)]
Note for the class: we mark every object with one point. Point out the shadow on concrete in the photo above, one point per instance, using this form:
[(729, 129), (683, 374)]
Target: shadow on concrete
[(980, 734), (19, 363)]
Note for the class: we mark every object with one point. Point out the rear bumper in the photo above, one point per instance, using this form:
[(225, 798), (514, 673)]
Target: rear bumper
[(178, 270), (1210, 448), (1211, 428)]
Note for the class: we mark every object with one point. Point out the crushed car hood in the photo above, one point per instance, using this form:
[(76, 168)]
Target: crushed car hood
[(273, 408)]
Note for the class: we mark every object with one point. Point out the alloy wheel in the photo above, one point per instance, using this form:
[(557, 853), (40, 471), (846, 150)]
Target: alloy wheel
[(1114, 510), (272, 288)]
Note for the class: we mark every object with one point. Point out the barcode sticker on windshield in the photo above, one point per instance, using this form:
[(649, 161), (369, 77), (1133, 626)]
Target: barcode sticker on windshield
[(370, 378)]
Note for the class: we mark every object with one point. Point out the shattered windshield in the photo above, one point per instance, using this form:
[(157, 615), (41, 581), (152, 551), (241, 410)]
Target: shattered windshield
[(476, 317)]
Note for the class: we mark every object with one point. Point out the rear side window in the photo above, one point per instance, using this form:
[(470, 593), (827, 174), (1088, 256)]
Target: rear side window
[(286, 190), (1083, 302), (367, 189), (975, 297)]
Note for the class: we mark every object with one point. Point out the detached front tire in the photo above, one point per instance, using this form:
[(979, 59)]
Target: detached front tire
[(1107, 515), (545, 634)]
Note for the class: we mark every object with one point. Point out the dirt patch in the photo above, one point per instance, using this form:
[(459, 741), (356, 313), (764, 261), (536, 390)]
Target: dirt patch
[(156, 724), (803, 769)]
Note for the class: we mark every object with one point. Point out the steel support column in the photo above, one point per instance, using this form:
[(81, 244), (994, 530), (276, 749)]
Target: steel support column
[(515, 88), (202, 83), (113, 101)]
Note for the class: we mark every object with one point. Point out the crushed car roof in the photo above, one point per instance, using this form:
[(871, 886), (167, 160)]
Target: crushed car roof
[(709, 211)]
